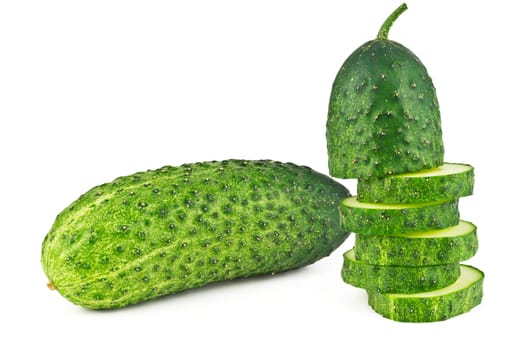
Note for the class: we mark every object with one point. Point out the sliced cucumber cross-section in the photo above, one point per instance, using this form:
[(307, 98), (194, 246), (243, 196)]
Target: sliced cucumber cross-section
[(446, 182), (437, 305), (396, 279), (379, 219), (444, 246)]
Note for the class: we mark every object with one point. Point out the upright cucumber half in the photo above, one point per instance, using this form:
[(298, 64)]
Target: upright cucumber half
[(383, 115), (436, 305), (382, 219), (444, 246), (163, 231), (447, 182), (396, 279)]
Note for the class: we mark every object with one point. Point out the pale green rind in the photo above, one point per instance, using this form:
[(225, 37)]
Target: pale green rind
[(447, 182), (396, 279), (445, 246), (438, 305), (159, 232), (381, 219)]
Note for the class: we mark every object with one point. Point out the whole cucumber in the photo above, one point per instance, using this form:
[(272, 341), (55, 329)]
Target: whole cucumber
[(162, 231)]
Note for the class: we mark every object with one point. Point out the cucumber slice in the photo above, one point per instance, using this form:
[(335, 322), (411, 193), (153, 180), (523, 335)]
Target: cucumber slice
[(396, 279), (436, 305), (447, 182), (435, 247), (381, 219)]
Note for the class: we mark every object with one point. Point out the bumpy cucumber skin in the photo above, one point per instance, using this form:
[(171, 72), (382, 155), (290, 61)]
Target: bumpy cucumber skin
[(397, 279), (393, 189), (383, 116), (159, 232), (391, 250), (428, 216), (432, 309)]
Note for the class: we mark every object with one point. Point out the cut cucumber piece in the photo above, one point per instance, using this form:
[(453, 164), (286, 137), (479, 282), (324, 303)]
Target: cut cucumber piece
[(445, 246), (396, 279), (381, 219), (447, 182), (436, 305), (383, 115)]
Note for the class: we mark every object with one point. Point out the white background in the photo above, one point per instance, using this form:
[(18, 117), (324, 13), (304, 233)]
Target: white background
[(92, 90)]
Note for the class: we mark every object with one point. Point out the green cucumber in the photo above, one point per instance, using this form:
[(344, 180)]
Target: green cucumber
[(163, 231), (437, 305), (396, 279), (383, 115), (382, 219), (444, 246), (447, 182)]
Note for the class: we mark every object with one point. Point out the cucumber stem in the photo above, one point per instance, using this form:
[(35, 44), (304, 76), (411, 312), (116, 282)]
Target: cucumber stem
[(385, 28), (51, 286)]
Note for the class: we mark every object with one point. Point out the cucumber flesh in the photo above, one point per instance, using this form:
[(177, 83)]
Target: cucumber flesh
[(445, 246), (446, 182), (396, 279), (443, 170), (380, 219), (437, 305)]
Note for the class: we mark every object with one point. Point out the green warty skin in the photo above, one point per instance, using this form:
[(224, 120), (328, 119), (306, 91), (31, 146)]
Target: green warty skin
[(159, 232)]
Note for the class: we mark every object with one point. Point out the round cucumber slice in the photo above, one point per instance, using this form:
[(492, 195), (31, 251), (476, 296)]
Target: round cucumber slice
[(447, 182), (381, 219), (444, 246), (396, 279), (436, 305)]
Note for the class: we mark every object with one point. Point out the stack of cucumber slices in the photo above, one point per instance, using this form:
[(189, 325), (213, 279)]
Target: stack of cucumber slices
[(384, 129), (409, 244)]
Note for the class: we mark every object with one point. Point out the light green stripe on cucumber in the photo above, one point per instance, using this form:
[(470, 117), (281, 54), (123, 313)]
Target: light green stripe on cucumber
[(396, 279), (437, 305), (447, 182), (381, 219), (444, 246)]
